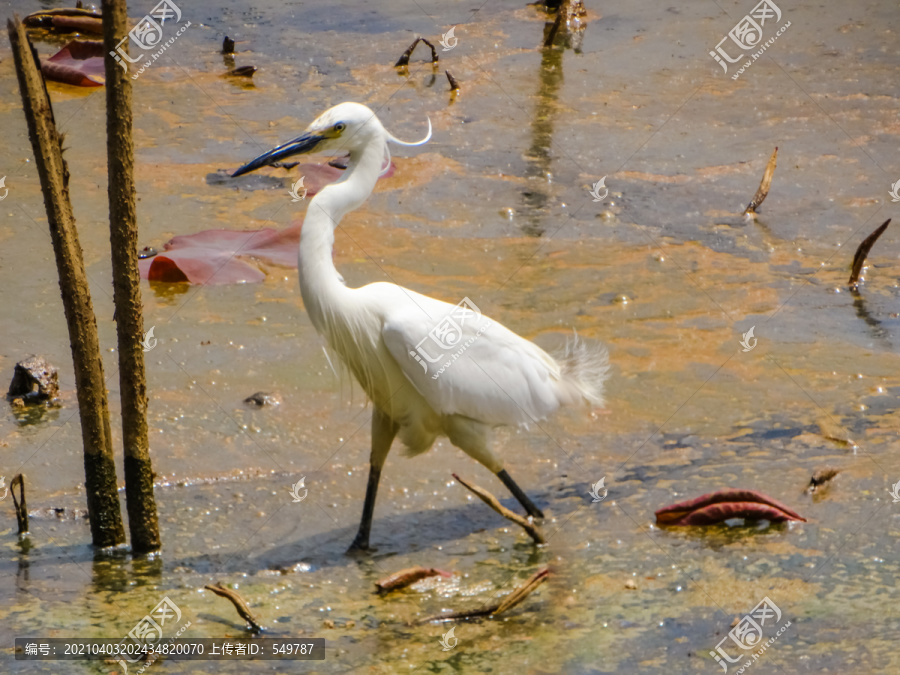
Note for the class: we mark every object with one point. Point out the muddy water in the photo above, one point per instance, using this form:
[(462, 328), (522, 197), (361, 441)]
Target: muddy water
[(664, 271)]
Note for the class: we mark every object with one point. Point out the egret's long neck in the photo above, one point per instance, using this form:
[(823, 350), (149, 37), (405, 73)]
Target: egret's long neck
[(320, 284)]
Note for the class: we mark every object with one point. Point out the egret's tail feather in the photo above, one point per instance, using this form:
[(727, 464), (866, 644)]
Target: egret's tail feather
[(584, 368)]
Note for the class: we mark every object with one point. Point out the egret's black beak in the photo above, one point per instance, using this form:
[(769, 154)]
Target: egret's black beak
[(303, 144)]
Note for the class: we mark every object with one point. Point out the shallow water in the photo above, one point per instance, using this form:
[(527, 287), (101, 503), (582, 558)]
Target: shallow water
[(496, 207)]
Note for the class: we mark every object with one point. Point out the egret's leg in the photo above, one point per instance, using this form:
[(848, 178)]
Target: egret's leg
[(471, 438), (529, 506), (383, 431)]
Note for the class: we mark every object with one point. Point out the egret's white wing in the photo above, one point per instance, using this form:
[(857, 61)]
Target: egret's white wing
[(464, 363)]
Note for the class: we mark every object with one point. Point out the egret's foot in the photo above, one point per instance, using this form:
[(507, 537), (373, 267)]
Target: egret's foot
[(360, 547), (534, 511)]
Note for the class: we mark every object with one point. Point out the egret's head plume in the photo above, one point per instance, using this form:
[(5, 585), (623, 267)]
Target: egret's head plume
[(347, 127)]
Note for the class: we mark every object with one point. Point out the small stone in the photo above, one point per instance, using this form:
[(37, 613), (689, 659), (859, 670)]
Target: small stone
[(30, 372), (328, 623), (262, 398), (630, 585)]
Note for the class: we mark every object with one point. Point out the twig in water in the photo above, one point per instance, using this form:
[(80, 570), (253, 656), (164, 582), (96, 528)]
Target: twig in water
[(404, 57), (819, 478), (407, 577), (510, 601), (19, 504), (238, 603), (764, 186), (860, 257), (454, 85), (494, 503)]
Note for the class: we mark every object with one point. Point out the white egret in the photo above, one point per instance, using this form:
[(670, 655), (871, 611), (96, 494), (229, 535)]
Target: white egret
[(498, 378)]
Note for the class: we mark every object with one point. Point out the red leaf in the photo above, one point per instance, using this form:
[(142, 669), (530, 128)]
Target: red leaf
[(722, 505)]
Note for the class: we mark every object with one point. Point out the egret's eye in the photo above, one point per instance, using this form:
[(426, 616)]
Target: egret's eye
[(339, 127)]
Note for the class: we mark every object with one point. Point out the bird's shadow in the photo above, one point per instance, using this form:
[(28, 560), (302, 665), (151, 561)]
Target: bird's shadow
[(392, 535)]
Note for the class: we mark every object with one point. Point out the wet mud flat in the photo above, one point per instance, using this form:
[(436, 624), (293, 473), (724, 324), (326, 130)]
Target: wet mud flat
[(664, 270)]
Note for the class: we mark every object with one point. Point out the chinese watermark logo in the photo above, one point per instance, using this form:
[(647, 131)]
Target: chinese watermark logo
[(747, 337), (295, 490), (598, 491), (895, 493), (448, 40), (295, 188), (148, 35), (150, 629), (6, 189), (149, 342), (748, 634), (894, 193), (747, 34), (595, 190), (449, 640), (464, 319)]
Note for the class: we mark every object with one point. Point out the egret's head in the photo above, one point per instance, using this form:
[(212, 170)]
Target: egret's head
[(346, 127)]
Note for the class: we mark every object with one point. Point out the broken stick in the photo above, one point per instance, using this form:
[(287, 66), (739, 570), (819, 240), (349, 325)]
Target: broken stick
[(404, 57), (19, 504), (238, 603), (510, 601), (860, 257), (764, 186), (454, 85), (495, 504)]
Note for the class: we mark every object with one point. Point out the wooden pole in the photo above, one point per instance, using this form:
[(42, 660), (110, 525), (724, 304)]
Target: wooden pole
[(143, 524), (99, 465)]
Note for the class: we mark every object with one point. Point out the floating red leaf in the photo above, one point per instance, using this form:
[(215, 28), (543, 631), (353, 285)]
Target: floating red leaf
[(722, 505), (79, 63), (234, 257)]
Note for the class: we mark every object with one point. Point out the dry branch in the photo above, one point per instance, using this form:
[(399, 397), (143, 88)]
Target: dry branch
[(19, 504), (238, 603), (764, 186), (510, 601), (494, 503), (859, 258), (454, 85), (404, 57)]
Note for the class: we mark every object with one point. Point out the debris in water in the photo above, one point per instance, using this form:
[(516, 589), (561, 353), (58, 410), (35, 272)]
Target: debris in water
[(510, 601), (860, 257), (764, 186), (243, 71), (227, 45), (79, 63), (238, 603), (454, 85), (30, 372), (66, 20), (717, 507), (403, 61), (819, 478), (261, 398), (489, 499), (407, 577), (19, 504)]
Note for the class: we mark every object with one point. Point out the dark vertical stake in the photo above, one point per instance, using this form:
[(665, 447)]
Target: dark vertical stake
[(19, 504), (123, 236), (99, 465)]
